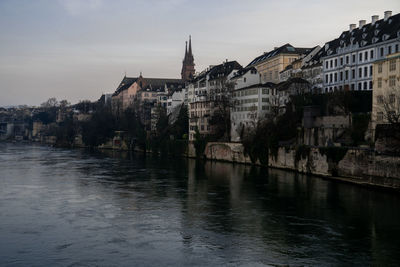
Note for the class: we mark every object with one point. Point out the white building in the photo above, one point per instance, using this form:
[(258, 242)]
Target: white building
[(251, 102), (349, 58)]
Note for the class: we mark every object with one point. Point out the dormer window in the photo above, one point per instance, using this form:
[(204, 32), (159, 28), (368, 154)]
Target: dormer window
[(364, 35), (363, 43), (385, 37), (390, 21), (376, 32), (375, 40), (352, 40)]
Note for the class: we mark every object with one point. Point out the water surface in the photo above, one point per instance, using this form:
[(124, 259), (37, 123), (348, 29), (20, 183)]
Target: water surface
[(76, 208)]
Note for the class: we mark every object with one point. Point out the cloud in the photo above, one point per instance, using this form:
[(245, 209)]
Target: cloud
[(78, 7)]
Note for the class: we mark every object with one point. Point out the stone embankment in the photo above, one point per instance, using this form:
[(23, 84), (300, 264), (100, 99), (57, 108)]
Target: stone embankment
[(356, 165)]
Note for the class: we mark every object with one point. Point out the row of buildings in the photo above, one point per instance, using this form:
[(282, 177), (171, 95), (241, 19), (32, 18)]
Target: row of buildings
[(364, 58)]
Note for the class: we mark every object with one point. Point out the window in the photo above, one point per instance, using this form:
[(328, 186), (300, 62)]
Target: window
[(392, 80), (326, 78), (341, 61), (360, 57), (353, 73), (370, 70), (335, 77), (326, 64), (370, 85), (371, 54), (392, 98), (366, 55), (379, 82), (347, 59), (359, 72), (380, 68), (382, 52), (396, 49), (335, 62), (244, 79), (354, 58), (331, 63), (365, 71), (379, 116), (365, 86), (341, 76), (352, 86), (347, 74), (359, 86), (392, 65), (379, 99), (330, 78), (389, 49)]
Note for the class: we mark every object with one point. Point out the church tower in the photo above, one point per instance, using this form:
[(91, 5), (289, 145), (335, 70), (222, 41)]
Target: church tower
[(188, 63)]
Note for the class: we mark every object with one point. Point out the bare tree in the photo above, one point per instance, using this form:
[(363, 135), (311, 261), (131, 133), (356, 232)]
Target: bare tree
[(222, 99), (389, 106), (50, 103)]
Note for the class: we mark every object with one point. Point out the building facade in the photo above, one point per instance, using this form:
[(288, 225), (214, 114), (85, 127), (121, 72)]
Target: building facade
[(208, 93), (270, 64), (386, 92), (349, 59)]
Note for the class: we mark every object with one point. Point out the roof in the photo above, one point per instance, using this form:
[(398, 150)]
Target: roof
[(154, 84), (286, 84), (265, 85), (285, 49), (218, 71), (243, 71), (223, 69), (381, 30)]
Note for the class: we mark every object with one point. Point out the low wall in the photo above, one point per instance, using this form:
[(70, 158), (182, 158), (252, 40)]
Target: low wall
[(357, 166)]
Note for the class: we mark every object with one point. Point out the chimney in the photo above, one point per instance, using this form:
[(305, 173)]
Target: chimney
[(374, 19), (388, 14), (352, 27), (361, 23)]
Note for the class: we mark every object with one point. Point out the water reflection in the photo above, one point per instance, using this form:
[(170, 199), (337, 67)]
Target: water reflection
[(119, 208)]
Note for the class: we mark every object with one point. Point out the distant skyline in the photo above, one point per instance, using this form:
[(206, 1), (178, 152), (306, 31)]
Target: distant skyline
[(79, 49)]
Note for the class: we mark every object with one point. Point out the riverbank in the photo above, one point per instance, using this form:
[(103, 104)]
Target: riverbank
[(355, 165)]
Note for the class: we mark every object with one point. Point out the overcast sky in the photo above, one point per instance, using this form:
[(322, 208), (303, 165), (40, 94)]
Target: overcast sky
[(79, 49)]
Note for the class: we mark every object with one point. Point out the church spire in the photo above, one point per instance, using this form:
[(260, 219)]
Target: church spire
[(186, 51), (190, 45), (188, 62)]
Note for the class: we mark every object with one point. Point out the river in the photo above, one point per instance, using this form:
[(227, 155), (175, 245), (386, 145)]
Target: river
[(63, 207)]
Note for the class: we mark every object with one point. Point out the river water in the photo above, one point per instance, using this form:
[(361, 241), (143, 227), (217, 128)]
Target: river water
[(78, 208)]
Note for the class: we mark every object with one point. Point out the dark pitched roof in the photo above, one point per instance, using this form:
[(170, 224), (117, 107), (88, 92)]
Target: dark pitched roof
[(286, 84), (285, 49), (153, 84), (159, 83), (381, 30), (220, 70), (243, 71), (223, 69), (265, 85)]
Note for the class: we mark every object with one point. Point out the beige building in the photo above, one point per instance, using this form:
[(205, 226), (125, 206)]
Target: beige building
[(386, 91), (270, 64)]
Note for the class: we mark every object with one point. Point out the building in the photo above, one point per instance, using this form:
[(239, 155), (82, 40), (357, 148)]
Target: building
[(386, 92), (188, 70), (270, 64), (295, 70), (349, 58), (251, 102), (142, 89), (209, 93)]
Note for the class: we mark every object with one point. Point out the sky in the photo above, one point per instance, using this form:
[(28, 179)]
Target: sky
[(80, 49)]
